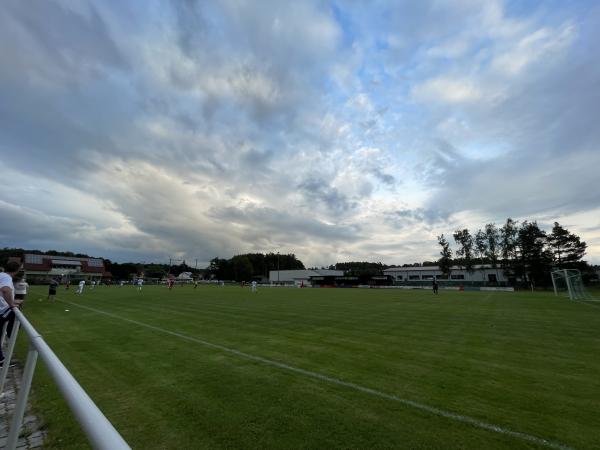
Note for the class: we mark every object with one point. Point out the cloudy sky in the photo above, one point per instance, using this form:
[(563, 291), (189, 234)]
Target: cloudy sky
[(336, 130)]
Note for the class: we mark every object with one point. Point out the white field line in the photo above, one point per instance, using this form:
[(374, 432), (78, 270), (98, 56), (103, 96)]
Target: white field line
[(421, 406), (585, 302)]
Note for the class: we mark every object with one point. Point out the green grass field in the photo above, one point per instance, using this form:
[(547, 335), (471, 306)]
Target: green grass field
[(219, 367)]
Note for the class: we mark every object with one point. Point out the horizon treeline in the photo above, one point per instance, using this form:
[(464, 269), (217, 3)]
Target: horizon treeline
[(522, 250)]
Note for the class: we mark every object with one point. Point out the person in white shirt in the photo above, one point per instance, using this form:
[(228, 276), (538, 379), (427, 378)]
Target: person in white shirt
[(140, 282), (254, 286), (7, 299), (80, 287), (21, 287), (92, 284)]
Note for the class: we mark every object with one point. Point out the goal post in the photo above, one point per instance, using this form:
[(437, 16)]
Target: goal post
[(568, 282)]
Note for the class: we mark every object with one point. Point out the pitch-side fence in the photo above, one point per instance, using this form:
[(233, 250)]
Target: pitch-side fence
[(100, 432)]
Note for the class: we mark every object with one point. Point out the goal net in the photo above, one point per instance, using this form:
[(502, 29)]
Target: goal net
[(568, 282)]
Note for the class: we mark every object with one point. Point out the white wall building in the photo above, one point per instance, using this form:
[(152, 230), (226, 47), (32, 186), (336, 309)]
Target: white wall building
[(299, 276), (481, 273)]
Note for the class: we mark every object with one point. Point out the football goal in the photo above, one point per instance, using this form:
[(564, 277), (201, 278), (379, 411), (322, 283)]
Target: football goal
[(568, 282)]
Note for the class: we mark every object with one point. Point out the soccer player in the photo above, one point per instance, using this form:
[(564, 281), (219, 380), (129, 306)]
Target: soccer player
[(253, 285), (170, 283), (435, 286), (80, 287), (140, 283), (52, 290), (195, 283)]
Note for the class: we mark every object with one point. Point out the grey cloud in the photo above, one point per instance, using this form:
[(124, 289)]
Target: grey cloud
[(320, 191), (408, 217), (30, 226), (69, 43), (281, 226), (546, 119), (386, 178)]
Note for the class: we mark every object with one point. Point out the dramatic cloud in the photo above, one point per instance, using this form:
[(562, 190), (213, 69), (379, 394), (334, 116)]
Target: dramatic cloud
[(332, 129)]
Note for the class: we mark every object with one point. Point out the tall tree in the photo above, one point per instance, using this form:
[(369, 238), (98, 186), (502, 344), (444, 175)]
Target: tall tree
[(493, 243), (482, 250), (242, 268), (508, 246), (567, 248), (534, 259), (465, 242), (445, 262)]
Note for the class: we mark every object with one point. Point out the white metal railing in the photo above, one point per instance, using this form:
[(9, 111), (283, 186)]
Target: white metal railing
[(100, 432)]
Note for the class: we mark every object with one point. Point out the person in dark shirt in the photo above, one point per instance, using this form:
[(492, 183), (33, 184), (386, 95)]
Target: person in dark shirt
[(52, 289), (435, 286)]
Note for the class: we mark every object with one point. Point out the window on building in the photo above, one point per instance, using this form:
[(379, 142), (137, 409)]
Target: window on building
[(34, 259), (399, 277), (442, 277), (492, 278), (414, 277), (427, 277), (458, 277)]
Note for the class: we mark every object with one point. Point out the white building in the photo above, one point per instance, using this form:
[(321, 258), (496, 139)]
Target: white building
[(481, 273), (301, 276)]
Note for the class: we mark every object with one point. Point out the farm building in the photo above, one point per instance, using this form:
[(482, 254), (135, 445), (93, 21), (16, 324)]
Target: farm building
[(44, 267)]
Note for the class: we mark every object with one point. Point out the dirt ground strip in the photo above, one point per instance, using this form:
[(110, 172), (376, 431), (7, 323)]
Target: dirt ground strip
[(32, 433)]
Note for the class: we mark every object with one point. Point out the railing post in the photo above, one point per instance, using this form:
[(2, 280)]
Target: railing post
[(19, 412), (100, 432), (9, 352)]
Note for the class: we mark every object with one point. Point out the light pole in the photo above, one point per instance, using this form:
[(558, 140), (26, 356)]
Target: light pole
[(277, 267)]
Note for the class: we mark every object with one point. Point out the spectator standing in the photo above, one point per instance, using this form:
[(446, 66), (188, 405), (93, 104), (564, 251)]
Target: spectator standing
[(21, 287), (7, 299)]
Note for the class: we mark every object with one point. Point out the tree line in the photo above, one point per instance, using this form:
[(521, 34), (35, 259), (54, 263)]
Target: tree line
[(250, 266), (525, 252)]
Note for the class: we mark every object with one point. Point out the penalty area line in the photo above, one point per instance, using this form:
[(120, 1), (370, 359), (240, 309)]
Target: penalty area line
[(417, 405)]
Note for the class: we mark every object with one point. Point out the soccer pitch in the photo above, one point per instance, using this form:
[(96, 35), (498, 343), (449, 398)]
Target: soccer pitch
[(220, 367)]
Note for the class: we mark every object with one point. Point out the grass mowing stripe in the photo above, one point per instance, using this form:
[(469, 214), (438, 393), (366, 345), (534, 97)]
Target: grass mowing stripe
[(423, 407), (584, 302)]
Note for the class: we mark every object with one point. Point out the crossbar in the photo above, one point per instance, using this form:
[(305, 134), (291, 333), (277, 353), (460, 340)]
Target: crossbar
[(99, 431)]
